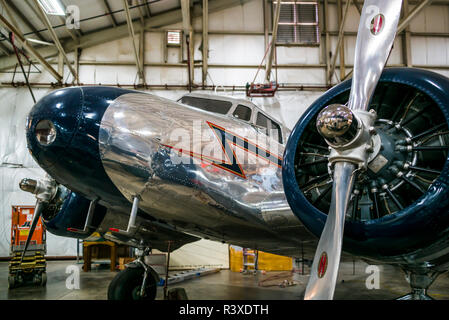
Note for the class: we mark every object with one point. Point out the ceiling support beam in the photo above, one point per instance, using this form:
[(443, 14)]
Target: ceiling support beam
[(266, 19), (142, 38), (357, 6), (406, 21), (269, 63), (39, 16), (342, 42), (340, 38), (5, 49), (406, 38), (8, 10), (328, 53), (130, 25), (8, 4), (56, 41), (188, 31), (77, 54), (121, 31), (108, 10), (19, 38), (141, 13), (61, 65), (147, 8), (142, 48), (205, 40)]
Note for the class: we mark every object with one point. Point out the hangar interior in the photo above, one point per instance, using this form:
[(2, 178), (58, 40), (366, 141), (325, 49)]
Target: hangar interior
[(170, 48)]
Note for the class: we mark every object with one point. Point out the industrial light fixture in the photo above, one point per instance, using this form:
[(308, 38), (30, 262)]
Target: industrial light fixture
[(52, 7)]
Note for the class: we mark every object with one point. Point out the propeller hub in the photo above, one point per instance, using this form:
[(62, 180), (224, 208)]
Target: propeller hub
[(337, 124)]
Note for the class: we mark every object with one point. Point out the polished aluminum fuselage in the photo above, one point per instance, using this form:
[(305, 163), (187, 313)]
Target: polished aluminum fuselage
[(169, 155)]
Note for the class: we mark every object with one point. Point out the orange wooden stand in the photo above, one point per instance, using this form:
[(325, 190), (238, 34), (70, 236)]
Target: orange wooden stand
[(87, 253)]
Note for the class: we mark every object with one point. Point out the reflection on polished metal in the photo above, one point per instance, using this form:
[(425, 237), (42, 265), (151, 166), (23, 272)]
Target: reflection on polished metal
[(359, 144), (337, 124), (322, 281), (199, 198)]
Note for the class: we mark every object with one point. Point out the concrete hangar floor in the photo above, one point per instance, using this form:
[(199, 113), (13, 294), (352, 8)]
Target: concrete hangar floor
[(224, 285)]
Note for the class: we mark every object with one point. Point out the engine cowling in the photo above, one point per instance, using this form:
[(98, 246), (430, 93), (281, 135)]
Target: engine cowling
[(66, 214), (400, 205)]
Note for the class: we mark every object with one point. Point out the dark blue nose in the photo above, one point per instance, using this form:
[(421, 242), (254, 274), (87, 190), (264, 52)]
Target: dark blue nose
[(52, 124), (62, 134)]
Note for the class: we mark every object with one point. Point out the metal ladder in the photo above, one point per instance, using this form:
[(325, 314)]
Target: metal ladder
[(250, 253)]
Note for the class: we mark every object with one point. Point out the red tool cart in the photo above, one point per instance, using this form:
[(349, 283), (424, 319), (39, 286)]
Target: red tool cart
[(32, 268)]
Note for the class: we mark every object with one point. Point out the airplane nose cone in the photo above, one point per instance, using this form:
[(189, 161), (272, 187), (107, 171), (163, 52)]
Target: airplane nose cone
[(52, 123)]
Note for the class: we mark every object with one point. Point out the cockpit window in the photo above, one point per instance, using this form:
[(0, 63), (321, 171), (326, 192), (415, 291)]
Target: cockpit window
[(269, 127), (276, 131), (215, 106), (263, 122), (242, 113)]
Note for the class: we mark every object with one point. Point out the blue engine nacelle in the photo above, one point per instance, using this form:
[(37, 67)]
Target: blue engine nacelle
[(66, 215), (400, 207)]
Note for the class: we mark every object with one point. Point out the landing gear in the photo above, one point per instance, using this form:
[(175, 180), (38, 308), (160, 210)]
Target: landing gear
[(127, 285), (137, 282), (420, 283)]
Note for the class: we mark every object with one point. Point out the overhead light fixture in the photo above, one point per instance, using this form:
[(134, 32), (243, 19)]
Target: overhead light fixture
[(52, 7)]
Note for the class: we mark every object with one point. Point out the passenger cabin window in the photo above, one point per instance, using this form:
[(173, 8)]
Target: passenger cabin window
[(242, 113), (215, 106), (269, 127)]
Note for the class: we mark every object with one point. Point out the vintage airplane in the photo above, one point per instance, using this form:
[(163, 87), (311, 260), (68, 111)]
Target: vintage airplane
[(147, 171)]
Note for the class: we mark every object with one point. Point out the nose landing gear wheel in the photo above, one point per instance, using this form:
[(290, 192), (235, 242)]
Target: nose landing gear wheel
[(127, 285)]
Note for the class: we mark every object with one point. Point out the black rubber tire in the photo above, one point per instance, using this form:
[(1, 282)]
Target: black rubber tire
[(43, 279), (11, 282), (37, 279), (126, 285)]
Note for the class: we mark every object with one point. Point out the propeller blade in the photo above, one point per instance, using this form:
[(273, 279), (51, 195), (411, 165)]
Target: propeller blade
[(323, 274), (377, 30), (375, 37), (37, 214)]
